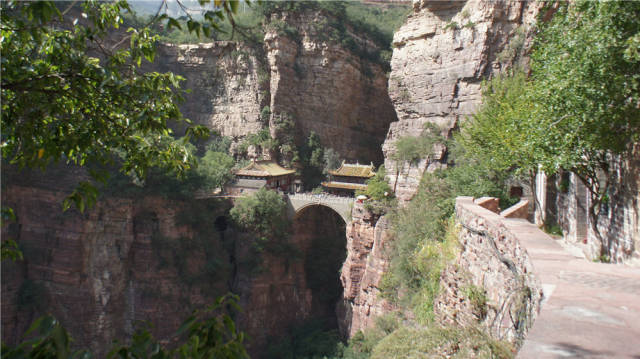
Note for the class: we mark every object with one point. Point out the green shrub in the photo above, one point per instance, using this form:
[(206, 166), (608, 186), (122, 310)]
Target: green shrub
[(265, 113), (478, 298), (219, 144), (437, 342), (377, 187), (312, 339), (362, 343), (263, 213), (451, 26), (215, 168), (413, 149)]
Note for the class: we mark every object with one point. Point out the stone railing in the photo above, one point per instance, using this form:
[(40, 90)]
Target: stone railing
[(342, 205), (322, 197)]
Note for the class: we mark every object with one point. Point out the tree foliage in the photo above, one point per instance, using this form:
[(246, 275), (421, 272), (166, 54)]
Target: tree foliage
[(210, 333), (74, 89), (377, 187), (216, 169), (501, 135), (579, 108), (414, 148), (263, 213)]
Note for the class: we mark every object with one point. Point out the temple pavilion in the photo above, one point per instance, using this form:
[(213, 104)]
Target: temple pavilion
[(265, 173), (349, 178)]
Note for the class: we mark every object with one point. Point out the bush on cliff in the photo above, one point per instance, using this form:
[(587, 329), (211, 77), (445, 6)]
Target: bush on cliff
[(263, 213)]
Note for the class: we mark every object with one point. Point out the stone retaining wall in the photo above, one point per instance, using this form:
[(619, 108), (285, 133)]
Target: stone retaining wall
[(492, 281)]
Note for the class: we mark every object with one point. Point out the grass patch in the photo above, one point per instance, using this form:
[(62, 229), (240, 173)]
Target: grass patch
[(437, 342)]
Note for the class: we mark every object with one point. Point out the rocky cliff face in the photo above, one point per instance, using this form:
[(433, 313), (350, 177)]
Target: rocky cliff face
[(319, 84), (441, 55), (367, 236), (103, 272), (151, 259), (326, 88), (295, 285), (228, 87)]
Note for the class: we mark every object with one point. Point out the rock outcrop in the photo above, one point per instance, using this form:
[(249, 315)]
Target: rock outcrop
[(150, 259), (227, 85), (295, 284), (103, 272), (318, 83), (326, 88), (441, 55), (367, 236)]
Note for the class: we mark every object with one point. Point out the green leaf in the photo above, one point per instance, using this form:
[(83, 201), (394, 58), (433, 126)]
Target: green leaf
[(173, 23)]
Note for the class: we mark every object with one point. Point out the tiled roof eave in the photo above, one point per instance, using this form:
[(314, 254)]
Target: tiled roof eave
[(335, 173), (344, 185), (253, 173)]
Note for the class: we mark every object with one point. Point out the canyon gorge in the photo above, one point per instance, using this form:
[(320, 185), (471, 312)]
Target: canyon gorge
[(151, 257)]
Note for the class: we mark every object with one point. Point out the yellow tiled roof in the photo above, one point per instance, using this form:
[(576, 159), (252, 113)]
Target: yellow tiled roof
[(354, 170), (344, 185), (264, 169)]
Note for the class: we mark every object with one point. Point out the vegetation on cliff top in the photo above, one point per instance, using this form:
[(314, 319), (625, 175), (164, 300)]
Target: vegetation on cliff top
[(345, 22)]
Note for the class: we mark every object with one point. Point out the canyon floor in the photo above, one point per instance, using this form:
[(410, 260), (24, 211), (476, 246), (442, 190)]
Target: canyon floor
[(589, 310)]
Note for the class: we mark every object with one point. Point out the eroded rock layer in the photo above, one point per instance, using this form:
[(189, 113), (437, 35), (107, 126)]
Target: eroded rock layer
[(105, 271), (128, 261), (326, 88), (441, 55), (367, 236), (227, 85)]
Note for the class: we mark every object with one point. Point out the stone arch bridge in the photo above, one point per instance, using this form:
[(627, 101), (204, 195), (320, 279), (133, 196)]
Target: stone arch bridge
[(299, 201)]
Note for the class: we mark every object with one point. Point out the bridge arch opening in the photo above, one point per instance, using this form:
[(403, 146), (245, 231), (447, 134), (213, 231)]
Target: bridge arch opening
[(320, 232)]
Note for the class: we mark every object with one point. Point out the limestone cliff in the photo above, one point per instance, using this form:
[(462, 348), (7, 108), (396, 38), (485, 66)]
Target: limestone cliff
[(227, 86), (327, 88), (104, 271), (367, 236), (317, 82), (150, 259), (441, 55)]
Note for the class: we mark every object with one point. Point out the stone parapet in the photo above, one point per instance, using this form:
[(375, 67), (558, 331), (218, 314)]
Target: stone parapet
[(493, 281)]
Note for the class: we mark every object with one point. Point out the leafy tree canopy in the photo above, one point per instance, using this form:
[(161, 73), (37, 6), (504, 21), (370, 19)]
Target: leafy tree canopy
[(74, 89), (579, 107), (586, 84), (581, 103), (264, 213)]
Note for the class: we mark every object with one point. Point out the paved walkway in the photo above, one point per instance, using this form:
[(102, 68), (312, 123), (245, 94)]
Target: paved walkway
[(590, 310)]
